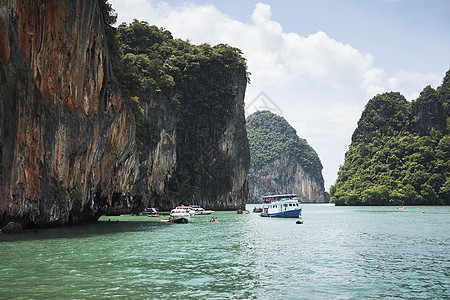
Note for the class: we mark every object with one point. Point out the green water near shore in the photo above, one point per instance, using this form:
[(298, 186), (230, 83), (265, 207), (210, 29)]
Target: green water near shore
[(338, 253)]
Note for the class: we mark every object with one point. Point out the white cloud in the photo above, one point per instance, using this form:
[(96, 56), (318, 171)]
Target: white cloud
[(329, 61), (404, 79), (274, 56)]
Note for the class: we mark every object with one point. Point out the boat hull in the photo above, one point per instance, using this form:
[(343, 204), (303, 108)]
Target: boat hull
[(295, 213), (180, 220)]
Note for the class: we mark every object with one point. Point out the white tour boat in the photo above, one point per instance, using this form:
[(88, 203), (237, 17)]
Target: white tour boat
[(179, 215), (281, 206)]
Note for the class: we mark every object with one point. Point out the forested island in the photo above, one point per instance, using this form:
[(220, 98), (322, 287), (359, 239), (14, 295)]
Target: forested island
[(400, 152), (282, 162)]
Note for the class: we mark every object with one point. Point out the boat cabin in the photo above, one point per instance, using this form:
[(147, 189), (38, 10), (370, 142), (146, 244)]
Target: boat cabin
[(286, 206)]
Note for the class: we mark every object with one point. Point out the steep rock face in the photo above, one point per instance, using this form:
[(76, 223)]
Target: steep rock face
[(285, 175), (212, 146), (282, 162), (235, 147), (193, 156), (67, 140), (191, 133), (158, 152)]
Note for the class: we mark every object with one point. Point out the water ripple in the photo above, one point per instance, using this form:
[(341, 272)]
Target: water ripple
[(338, 253)]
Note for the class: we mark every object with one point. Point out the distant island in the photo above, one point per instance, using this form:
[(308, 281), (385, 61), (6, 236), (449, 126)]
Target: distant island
[(282, 162), (400, 152)]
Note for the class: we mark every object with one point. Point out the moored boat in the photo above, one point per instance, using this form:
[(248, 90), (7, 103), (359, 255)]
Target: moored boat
[(151, 212), (257, 210), (179, 215), (200, 211), (281, 206)]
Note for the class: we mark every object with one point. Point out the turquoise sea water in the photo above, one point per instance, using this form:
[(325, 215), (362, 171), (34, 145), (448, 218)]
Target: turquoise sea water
[(338, 253)]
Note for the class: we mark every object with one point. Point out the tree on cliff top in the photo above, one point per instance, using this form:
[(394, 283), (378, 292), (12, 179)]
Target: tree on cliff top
[(169, 63), (143, 53), (270, 136)]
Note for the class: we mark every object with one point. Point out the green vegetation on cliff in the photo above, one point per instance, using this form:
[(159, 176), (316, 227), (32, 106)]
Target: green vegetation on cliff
[(270, 136), (166, 62), (399, 153)]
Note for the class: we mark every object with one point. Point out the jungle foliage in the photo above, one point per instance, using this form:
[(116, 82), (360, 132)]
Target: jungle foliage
[(399, 153), (270, 136), (153, 56)]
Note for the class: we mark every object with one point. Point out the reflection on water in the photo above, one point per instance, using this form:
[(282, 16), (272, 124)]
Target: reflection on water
[(84, 231), (338, 252)]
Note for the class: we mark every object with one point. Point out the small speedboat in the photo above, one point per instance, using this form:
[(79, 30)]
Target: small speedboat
[(257, 210), (179, 215)]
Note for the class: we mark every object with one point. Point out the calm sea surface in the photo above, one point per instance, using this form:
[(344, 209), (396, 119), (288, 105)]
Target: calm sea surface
[(338, 253)]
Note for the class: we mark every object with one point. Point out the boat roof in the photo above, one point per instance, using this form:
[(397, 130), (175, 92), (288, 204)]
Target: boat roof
[(180, 209), (280, 196)]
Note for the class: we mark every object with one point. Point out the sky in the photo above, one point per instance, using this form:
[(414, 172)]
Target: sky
[(316, 63)]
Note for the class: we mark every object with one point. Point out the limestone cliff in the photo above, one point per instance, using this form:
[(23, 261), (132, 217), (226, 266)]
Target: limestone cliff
[(158, 152), (281, 162), (191, 132), (285, 175), (213, 147), (71, 147), (195, 153), (67, 140)]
